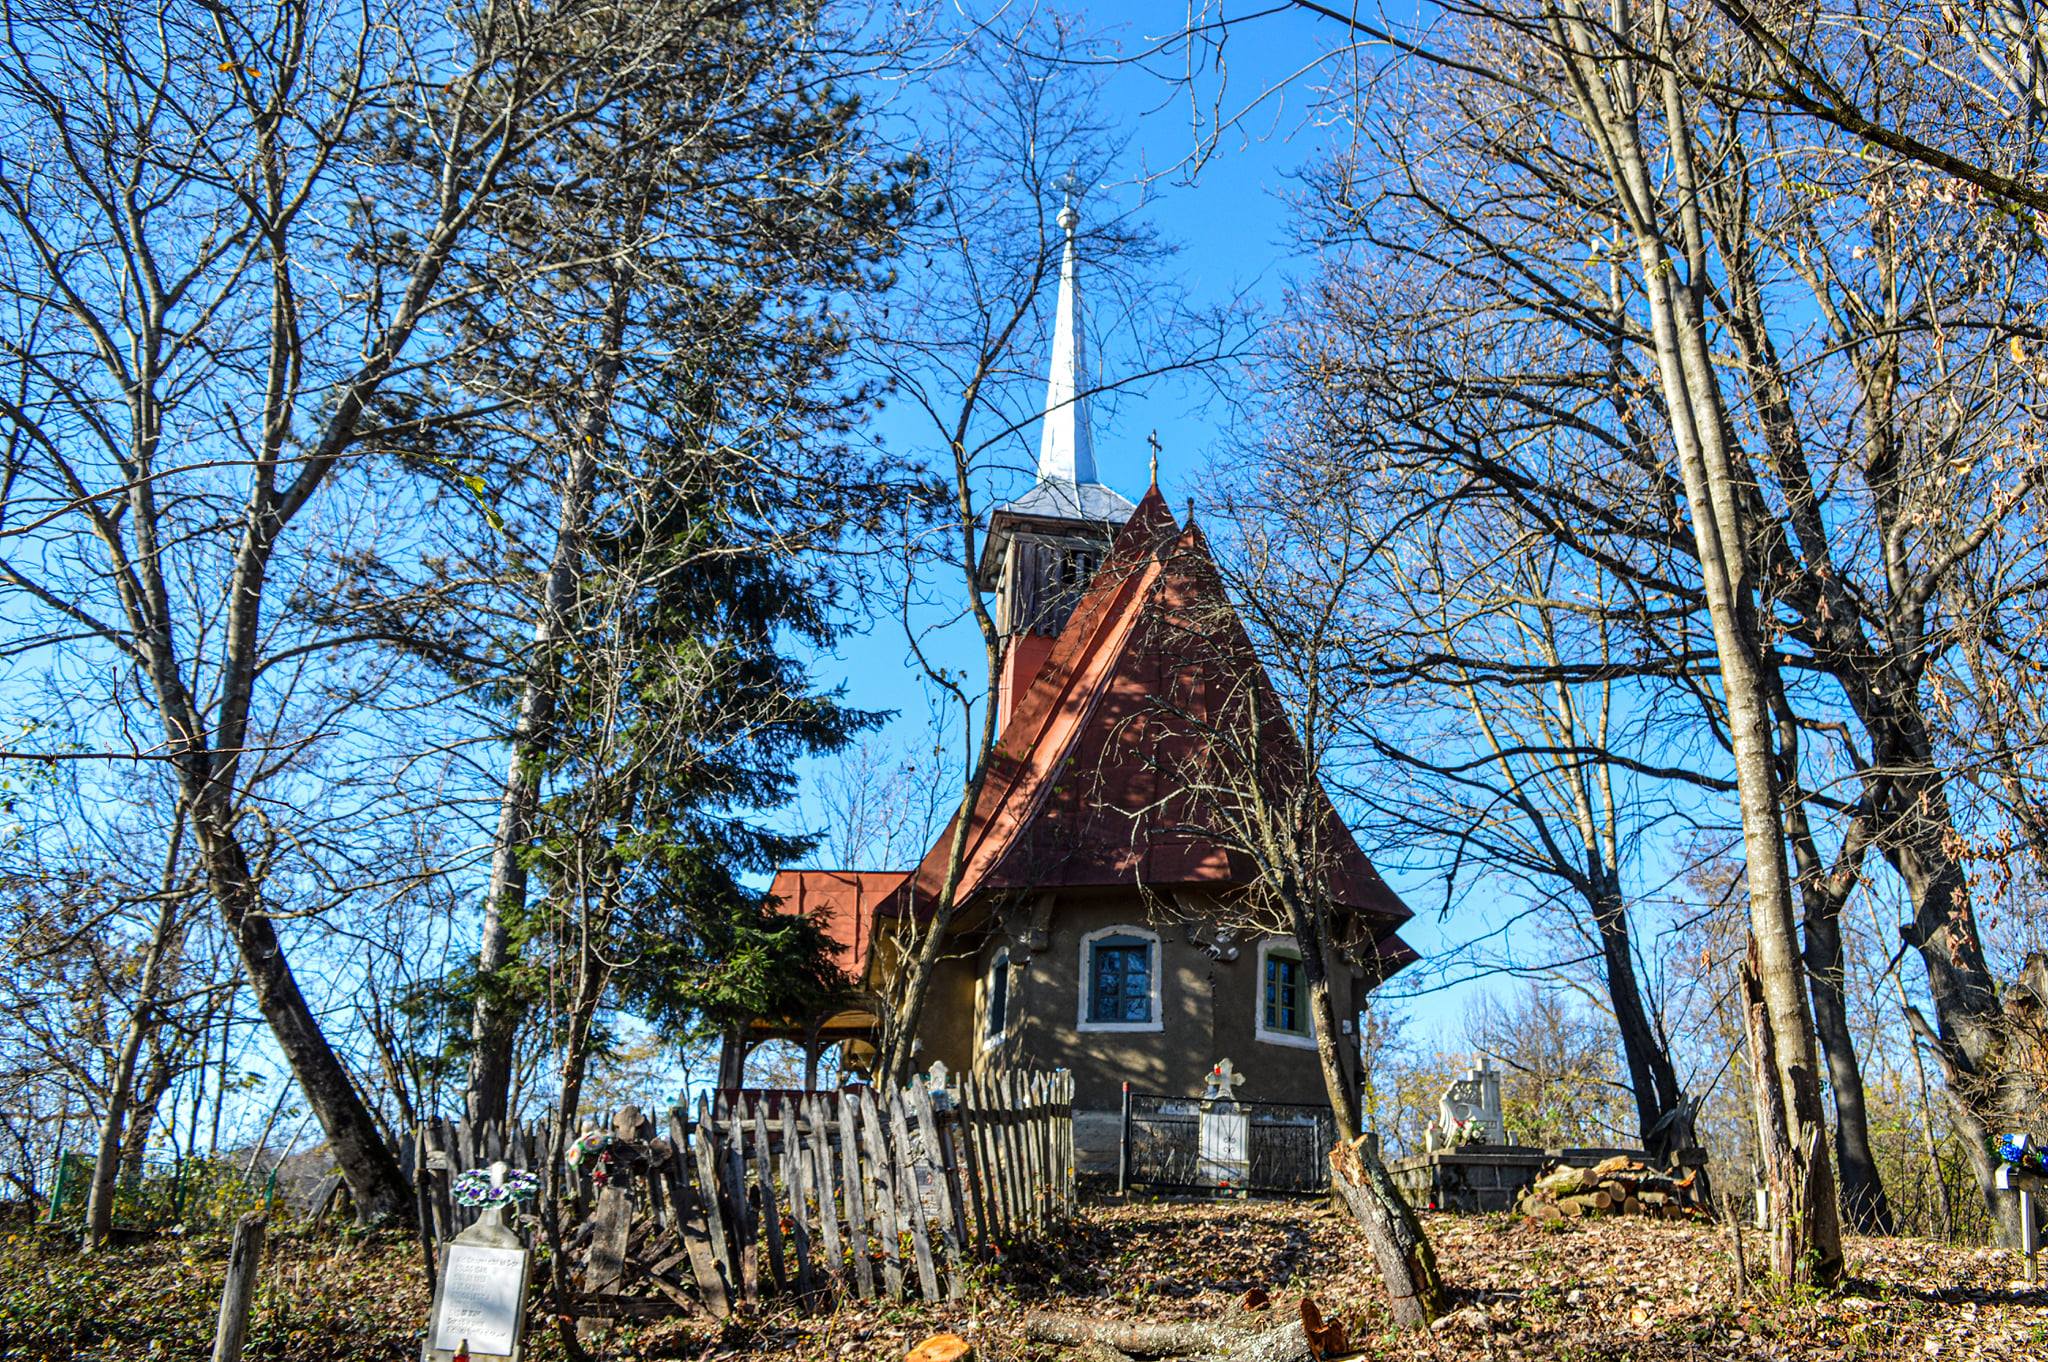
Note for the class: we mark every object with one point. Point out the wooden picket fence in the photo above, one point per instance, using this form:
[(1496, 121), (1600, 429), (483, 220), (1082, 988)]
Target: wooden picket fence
[(811, 1194)]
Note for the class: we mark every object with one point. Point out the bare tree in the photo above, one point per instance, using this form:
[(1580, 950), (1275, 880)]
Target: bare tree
[(1906, 346), (236, 238)]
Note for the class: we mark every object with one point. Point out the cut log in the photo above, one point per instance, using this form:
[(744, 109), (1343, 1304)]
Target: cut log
[(942, 1348), (1325, 1337), (1100, 1352), (1138, 1338)]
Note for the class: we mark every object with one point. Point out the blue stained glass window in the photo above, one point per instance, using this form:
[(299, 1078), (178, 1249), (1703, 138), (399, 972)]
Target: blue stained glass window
[(1283, 994), (1121, 986)]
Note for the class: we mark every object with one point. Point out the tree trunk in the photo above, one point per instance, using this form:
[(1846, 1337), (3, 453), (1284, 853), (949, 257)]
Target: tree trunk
[(1342, 1092), (1823, 891), (1970, 1041), (1407, 1262), (1788, 1171), (1862, 1188), (106, 1168), (495, 1023), (1663, 1116), (1714, 494), (365, 1162), (142, 1114), (1185, 1339), (732, 1058)]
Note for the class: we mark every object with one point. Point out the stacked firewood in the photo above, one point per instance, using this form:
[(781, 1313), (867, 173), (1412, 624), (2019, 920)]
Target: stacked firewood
[(1616, 1186)]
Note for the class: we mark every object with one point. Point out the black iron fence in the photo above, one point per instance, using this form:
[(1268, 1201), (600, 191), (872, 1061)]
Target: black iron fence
[(1193, 1144)]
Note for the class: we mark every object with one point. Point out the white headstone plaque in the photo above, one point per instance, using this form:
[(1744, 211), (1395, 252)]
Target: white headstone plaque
[(479, 1298), (481, 1292)]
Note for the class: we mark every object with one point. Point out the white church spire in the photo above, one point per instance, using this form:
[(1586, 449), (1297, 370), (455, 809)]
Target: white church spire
[(1066, 447)]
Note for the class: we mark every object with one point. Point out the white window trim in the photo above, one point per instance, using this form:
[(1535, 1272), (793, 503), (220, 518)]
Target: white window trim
[(1000, 960), (1156, 959), (1291, 1039)]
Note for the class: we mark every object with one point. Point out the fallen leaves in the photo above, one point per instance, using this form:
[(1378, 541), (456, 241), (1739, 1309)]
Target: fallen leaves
[(1595, 1290)]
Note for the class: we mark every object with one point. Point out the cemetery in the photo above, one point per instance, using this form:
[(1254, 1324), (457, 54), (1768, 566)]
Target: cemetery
[(839, 1226), (816, 681)]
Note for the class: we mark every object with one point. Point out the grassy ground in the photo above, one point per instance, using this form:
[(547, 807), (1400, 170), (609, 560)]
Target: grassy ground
[(1599, 1290)]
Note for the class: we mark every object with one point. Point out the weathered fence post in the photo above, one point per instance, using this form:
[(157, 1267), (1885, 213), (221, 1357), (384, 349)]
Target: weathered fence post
[(1123, 1146), (243, 1259)]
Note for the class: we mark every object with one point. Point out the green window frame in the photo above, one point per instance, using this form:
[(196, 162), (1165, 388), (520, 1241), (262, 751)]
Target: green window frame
[(1285, 999)]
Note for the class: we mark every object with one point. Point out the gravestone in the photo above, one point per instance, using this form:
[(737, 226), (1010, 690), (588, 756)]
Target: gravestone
[(480, 1297), (1223, 1132), (1469, 1111)]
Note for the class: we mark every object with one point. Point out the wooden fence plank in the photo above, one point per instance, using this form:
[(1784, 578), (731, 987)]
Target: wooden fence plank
[(733, 1168), (1065, 1098), (245, 1260), (951, 1222), (827, 1189), (423, 1207), (1013, 1152), (718, 1222), (989, 1140), (961, 1129), (856, 1201), (1027, 1151), (884, 1205), (1041, 1146), (692, 1223), (992, 1136), (910, 1195), (1034, 1130), (797, 1196), (764, 1178), (444, 1205)]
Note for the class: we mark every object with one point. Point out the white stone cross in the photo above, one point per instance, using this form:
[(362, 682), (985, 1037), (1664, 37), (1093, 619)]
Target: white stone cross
[(1223, 1081)]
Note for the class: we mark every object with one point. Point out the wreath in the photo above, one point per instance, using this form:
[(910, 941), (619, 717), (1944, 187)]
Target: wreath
[(473, 1187), (2020, 1152), (607, 1156), (596, 1143)]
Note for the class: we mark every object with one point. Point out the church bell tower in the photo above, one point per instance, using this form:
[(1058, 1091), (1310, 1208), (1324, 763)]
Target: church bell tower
[(1042, 549)]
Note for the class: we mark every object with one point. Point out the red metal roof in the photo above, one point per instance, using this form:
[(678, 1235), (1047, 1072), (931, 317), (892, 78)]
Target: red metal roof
[(1084, 787), (842, 902)]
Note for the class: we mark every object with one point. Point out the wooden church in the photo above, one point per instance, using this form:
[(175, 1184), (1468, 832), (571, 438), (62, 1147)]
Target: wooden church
[(1109, 916)]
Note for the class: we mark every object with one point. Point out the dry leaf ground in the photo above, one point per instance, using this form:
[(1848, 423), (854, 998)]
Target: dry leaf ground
[(1606, 1289)]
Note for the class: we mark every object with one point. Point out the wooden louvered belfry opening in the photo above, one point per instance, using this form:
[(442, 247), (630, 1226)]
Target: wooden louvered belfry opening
[(1044, 578)]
